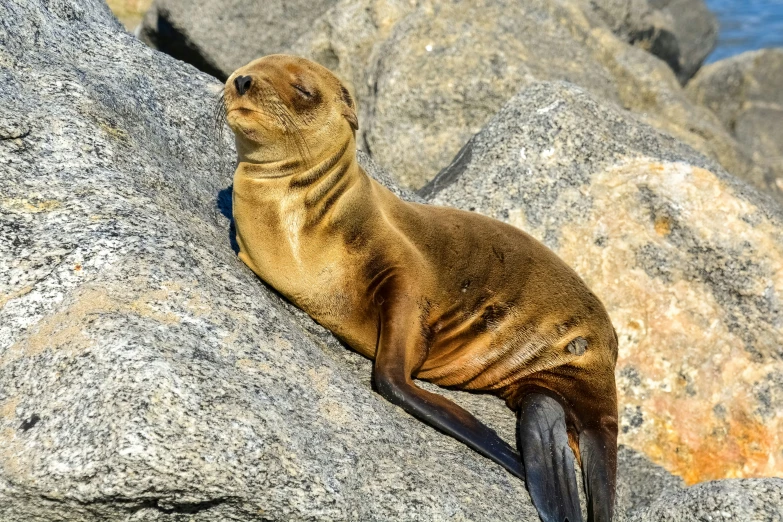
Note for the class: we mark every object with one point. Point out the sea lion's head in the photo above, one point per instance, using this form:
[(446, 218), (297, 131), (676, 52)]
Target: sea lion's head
[(284, 107)]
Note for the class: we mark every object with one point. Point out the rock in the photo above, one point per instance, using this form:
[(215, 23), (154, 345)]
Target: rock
[(418, 107), (687, 260), (344, 38), (759, 500), (129, 12), (424, 88), (744, 91), (640, 482), (145, 373), (218, 36), (680, 32)]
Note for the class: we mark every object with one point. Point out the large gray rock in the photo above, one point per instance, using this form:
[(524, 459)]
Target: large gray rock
[(345, 37), (751, 500), (435, 87), (218, 36), (424, 88), (745, 92), (680, 32), (145, 373), (687, 259)]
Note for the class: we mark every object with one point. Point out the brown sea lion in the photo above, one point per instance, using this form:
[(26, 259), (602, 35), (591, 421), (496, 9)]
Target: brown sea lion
[(433, 293)]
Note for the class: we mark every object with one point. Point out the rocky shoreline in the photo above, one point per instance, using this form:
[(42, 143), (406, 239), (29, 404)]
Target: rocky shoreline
[(146, 374)]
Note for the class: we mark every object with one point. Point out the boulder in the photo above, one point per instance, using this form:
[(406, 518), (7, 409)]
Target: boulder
[(680, 32), (345, 38), (424, 88), (745, 92), (147, 374), (687, 259), (750, 500), (218, 36), (129, 12)]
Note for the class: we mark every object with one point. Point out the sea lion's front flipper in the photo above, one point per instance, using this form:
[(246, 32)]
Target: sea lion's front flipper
[(400, 349), (547, 458)]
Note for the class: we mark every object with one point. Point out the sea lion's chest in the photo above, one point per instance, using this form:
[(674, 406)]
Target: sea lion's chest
[(279, 244)]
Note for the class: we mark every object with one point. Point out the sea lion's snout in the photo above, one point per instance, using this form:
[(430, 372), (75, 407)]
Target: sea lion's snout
[(279, 104), (242, 84)]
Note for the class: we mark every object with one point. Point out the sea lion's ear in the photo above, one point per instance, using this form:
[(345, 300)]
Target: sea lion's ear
[(349, 110)]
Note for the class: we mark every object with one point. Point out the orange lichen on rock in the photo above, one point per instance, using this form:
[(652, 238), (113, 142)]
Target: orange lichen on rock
[(680, 266)]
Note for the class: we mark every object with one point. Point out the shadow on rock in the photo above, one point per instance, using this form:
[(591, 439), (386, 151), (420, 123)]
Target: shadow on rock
[(224, 203)]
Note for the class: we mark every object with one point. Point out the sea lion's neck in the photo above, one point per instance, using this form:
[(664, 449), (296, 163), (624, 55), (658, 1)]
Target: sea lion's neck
[(302, 171), (313, 188)]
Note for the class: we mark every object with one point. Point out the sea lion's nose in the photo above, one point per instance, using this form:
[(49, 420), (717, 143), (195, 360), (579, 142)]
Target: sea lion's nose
[(242, 83)]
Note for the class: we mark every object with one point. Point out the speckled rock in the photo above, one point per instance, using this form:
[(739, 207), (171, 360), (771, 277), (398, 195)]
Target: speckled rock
[(745, 92), (687, 259), (345, 37), (756, 500), (680, 32), (218, 36), (129, 12), (145, 373), (431, 87), (423, 88)]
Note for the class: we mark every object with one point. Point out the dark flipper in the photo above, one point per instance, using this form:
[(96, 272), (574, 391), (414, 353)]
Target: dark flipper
[(548, 459), (399, 350), (447, 417), (598, 449)]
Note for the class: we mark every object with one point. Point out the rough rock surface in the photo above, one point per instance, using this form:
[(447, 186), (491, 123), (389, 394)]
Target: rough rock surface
[(424, 88), (745, 92), (129, 12), (145, 373), (750, 500), (345, 37), (687, 260), (218, 36), (680, 32)]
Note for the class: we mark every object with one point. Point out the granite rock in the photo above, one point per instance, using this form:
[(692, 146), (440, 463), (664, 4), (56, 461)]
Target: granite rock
[(750, 500), (745, 92), (425, 88), (145, 373), (219, 36), (680, 32), (345, 38), (687, 259), (129, 12)]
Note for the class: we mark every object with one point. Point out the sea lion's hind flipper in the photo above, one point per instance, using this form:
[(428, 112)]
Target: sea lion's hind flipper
[(598, 449), (399, 350), (547, 459)]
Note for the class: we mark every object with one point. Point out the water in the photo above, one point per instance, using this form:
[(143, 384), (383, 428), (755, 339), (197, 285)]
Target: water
[(746, 25)]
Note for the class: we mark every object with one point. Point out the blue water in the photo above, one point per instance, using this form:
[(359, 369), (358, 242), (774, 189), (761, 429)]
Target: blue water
[(746, 25)]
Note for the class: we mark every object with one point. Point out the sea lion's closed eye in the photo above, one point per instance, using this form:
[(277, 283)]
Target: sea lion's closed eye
[(302, 90)]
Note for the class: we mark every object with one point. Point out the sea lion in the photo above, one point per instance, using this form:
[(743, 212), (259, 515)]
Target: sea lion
[(428, 292)]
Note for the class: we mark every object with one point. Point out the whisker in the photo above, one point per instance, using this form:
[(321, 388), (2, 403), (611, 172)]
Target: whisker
[(295, 134), (219, 116)]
